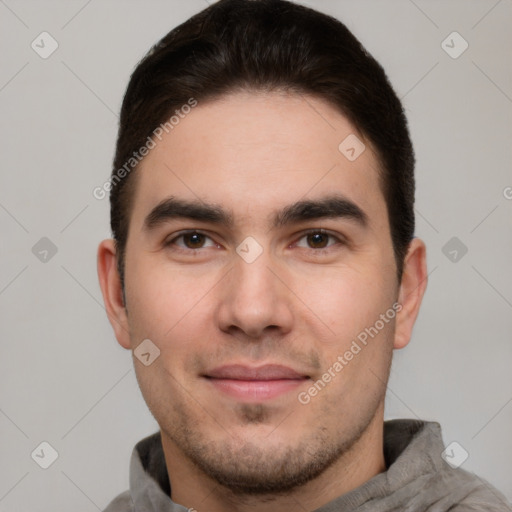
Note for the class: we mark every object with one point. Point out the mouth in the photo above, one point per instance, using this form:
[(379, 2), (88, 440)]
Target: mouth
[(254, 384)]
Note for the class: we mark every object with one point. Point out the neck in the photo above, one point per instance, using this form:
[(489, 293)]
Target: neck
[(193, 489)]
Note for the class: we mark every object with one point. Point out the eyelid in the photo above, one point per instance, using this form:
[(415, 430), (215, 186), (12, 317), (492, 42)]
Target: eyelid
[(179, 234), (341, 240)]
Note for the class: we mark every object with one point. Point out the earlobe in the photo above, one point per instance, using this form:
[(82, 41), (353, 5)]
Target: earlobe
[(111, 290), (412, 289)]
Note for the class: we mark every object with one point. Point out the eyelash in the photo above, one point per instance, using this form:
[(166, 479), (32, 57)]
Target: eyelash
[(303, 235)]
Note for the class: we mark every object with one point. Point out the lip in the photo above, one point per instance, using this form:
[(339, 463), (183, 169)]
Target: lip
[(254, 384)]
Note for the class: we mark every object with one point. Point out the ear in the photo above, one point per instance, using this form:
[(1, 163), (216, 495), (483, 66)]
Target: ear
[(110, 283), (411, 291)]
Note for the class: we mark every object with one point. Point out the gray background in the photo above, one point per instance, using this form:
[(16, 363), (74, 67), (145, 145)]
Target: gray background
[(64, 378)]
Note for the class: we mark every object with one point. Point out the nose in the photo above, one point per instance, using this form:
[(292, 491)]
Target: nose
[(255, 299)]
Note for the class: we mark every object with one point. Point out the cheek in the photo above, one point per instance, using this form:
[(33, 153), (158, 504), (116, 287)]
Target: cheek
[(358, 345), (346, 299), (167, 306)]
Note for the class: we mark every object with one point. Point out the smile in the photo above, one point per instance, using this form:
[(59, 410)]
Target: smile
[(248, 384)]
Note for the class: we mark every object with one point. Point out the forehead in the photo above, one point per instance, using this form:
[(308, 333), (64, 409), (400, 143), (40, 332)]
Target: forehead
[(257, 152)]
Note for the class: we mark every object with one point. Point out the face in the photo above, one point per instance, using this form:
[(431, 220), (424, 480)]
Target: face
[(272, 297)]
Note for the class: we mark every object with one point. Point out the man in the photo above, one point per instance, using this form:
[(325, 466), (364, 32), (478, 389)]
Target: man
[(264, 268)]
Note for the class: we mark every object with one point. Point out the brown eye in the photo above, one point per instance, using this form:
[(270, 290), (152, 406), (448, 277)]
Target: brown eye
[(193, 240), (318, 240), (190, 240)]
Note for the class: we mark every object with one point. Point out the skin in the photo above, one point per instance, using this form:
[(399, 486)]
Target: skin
[(301, 303)]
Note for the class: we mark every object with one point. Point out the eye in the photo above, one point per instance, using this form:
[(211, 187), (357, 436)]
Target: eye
[(191, 240), (318, 239)]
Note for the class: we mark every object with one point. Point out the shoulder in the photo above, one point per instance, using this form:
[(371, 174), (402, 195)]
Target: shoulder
[(122, 503), (414, 451), (470, 493), (484, 499)]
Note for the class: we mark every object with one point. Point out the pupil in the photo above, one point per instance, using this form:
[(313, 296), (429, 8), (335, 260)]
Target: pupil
[(317, 239), (194, 238)]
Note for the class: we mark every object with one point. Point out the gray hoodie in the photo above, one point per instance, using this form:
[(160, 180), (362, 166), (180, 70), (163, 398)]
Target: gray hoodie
[(417, 479)]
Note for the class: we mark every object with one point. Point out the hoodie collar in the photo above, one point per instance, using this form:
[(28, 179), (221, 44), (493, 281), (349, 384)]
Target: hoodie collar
[(408, 445)]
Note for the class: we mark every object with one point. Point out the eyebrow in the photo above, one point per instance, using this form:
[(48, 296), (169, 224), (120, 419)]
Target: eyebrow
[(332, 206)]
